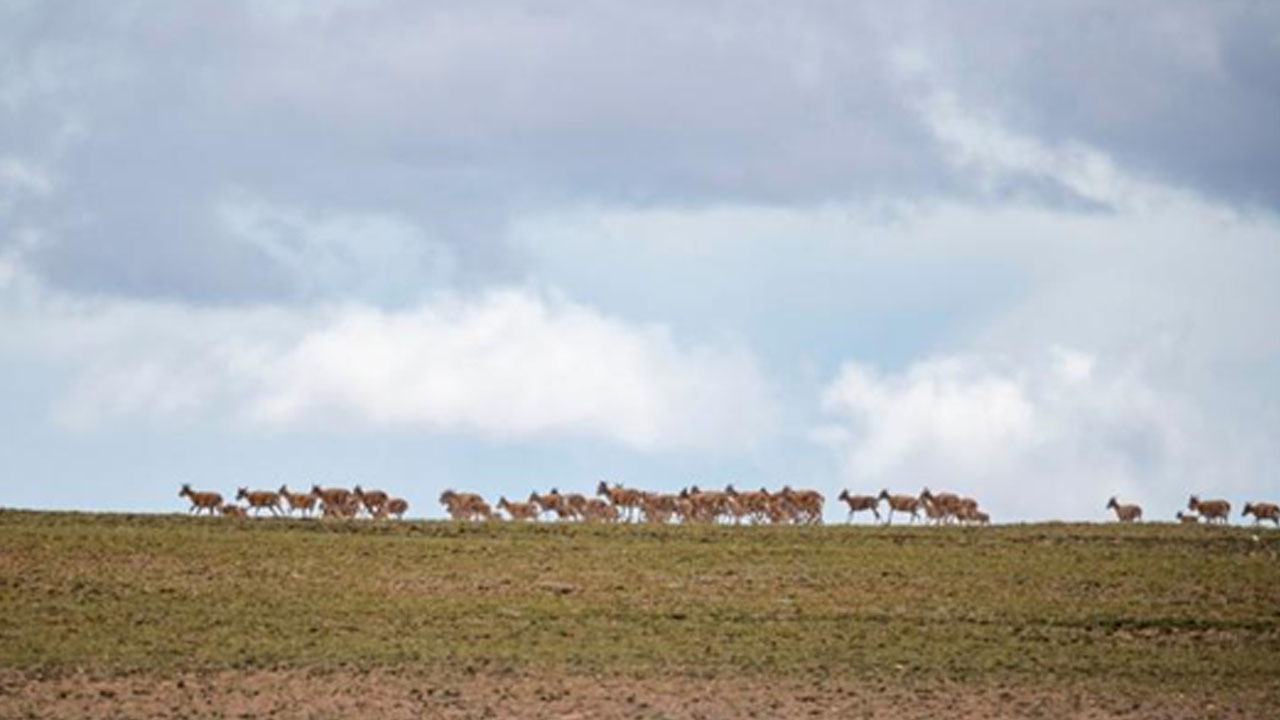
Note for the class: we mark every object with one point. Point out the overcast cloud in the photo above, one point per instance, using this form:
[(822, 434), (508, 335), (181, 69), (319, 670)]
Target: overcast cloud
[(1024, 251)]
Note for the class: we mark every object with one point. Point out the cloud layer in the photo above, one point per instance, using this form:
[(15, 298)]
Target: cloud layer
[(1050, 438), (514, 364)]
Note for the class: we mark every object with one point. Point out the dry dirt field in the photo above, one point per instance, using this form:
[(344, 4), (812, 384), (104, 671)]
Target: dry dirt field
[(166, 616)]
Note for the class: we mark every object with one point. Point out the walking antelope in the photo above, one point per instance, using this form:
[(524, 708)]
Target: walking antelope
[(949, 505), (201, 501), (518, 510), (1210, 510), (260, 499), (397, 507), (465, 506), (1262, 511), (549, 502), (626, 498), (302, 502), (335, 502), (597, 510), (804, 505), (373, 500), (1124, 513), (901, 503), (860, 502)]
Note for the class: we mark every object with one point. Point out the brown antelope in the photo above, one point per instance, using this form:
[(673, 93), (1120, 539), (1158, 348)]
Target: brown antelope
[(658, 507), (1210, 510), (949, 504), (598, 510), (260, 499), (373, 500), (934, 513), (1188, 518), (625, 498), (576, 503), (1124, 513), (901, 503), (334, 502), (233, 511), (201, 501), (397, 507), (805, 505), (979, 517), (548, 502), (518, 510), (302, 502), (860, 502), (465, 506), (755, 503), (1262, 511)]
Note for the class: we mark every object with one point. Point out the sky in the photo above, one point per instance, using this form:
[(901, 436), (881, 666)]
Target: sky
[(1024, 252)]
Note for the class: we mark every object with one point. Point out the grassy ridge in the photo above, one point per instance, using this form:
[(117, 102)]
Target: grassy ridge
[(1160, 605)]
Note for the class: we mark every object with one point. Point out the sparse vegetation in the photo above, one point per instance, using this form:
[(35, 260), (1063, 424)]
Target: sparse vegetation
[(1154, 606)]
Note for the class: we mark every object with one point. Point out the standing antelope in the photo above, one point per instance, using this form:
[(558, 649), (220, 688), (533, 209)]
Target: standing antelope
[(1124, 513), (1210, 510), (1262, 511), (860, 502), (201, 501), (901, 503)]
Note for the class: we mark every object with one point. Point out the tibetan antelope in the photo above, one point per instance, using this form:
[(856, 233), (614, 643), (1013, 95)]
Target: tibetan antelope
[(805, 505), (465, 506), (901, 503), (260, 499), (373, 500), (1210, 510), (334, 502), (397, 507), (1188, 518), (550, 502), (233, 511), (627, 499), (518, 510), (302, 502), (598, 510), (860, 502), (201, 501), (1124, 513), (1262, 511)]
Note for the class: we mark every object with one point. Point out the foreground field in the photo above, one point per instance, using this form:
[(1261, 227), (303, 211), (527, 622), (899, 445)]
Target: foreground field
[(154, 615)]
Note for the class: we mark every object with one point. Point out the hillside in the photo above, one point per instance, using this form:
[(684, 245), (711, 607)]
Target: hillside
[(1068, 616)]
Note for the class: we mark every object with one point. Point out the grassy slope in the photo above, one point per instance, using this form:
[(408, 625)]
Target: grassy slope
[(1150, 605)]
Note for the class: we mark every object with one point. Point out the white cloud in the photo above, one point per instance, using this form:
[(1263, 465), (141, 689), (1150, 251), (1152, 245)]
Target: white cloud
[(510, 363), (1049, 436)]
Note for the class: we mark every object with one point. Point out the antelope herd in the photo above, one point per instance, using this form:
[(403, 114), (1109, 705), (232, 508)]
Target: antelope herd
[(616, 503), (1207, 511), (331, 502)]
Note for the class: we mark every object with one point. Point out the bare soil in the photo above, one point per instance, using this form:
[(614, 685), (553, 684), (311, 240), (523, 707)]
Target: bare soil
[(390, 694)]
